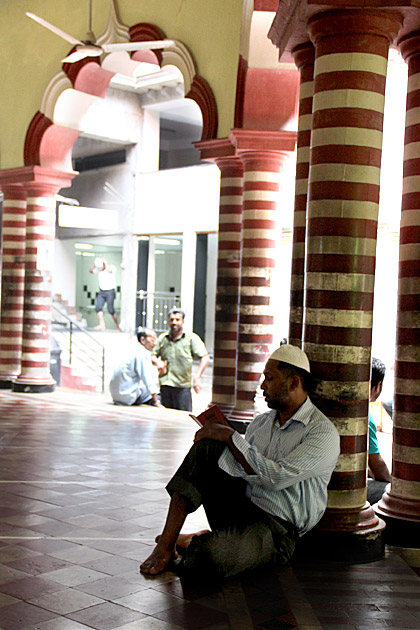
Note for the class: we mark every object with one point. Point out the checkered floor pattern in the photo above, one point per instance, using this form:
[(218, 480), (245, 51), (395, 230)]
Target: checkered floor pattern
[(81, 500)]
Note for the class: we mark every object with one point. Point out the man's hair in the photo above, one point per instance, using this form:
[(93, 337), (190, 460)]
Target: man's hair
[(177, 310), (377, 372), (291, 370), (142, 333)]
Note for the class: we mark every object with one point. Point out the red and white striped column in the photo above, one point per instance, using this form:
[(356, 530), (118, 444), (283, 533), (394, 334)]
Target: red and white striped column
[(262, 176), (348, 105), (401, 506), (304, 56), (41, 186), (12, 282), (228, 282)]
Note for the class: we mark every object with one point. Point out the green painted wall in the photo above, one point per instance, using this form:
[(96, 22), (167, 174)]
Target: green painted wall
[(30, 55)]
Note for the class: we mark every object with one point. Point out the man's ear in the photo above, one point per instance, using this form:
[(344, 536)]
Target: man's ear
[(294, 382), (375, 392)]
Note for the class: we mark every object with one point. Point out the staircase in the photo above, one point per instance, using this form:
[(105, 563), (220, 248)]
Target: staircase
[(88, 357)]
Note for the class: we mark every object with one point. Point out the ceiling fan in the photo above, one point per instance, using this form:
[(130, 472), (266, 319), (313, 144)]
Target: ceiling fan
[(89, 47)]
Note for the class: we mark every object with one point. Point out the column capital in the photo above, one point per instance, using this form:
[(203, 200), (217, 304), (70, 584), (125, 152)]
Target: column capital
[(341, 22), (259, 140), (212, 149), (232, 163), (409, 45), (13, 191), (36, 174), (304, 55), (264, 160)]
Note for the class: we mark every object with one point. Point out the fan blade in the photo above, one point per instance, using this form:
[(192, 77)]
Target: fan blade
[(85, 50), (54, 29), (151, 45), (77, 55)]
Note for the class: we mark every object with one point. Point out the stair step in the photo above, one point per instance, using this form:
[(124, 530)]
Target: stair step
[(70, 379)]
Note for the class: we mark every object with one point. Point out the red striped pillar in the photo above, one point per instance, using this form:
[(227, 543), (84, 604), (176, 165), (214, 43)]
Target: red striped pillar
[(262, 175), (41, 185), (12, 282), (348, 103), (401, 507), (40, 229), (304, 56), (228, 281)]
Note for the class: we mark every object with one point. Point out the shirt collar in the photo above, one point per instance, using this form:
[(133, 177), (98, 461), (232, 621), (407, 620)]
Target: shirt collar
[(169, 336), (303, 414)]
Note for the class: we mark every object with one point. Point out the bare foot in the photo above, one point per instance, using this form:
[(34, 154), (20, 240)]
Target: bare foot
[(183, 540), (99, 327), (157, 561)]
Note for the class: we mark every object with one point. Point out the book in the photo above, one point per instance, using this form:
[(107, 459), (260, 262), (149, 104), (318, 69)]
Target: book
[(212, 414)]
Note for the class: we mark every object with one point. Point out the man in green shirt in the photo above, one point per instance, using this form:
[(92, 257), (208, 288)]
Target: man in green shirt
[(174, 354)]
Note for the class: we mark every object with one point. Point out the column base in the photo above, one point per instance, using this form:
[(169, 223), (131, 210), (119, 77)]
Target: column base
[(31, 388), (242, 414), (6, 384), (367, 545), (400, 532)]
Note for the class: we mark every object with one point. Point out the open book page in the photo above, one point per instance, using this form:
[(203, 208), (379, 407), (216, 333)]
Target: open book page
[(212, 414)]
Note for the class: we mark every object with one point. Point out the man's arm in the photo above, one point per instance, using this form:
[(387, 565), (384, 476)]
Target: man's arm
[(316, 454), (204, 361), (223, 433), (377, 468)]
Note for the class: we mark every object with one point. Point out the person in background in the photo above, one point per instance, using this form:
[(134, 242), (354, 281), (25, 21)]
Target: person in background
[(133, 381), (107, 279), (173, 355), (378, 472)]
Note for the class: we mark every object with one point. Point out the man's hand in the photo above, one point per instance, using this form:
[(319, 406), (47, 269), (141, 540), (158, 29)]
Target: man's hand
[(197, 384), (162, 366), (214, 431)]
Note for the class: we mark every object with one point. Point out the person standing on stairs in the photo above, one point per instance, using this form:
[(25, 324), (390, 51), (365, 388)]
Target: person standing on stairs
[(107, 279)]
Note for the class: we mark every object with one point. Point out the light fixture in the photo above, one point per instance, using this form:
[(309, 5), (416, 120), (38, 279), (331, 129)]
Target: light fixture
[(83, 246), (167, 241)]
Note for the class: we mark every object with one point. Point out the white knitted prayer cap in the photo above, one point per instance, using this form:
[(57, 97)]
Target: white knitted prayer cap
[(292, 355)]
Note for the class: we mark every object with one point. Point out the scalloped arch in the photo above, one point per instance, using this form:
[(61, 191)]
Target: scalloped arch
[(195, 88)]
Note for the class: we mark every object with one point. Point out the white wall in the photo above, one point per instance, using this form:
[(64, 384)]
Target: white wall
[(172, 201), (64, 272), (211, 290)]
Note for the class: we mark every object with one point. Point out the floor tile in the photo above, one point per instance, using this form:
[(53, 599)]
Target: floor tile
[(106, 616), (66, 601), (29, 587), (17, 616), (192, 616), (74, 575), (58, 623), (149, 601), (111, 588)]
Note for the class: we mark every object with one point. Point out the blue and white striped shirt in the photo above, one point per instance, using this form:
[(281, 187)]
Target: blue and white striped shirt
[(293, 464)]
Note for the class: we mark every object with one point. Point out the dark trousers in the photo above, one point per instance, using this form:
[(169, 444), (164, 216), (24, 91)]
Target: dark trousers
[(243, 536), (107, 296), (176, 397)]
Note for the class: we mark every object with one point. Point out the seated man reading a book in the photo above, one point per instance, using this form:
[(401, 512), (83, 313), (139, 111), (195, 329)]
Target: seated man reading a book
[(260, 491)]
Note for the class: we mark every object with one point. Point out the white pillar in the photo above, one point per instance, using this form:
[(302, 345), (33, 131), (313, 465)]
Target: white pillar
[(129, 283), (189, 247)]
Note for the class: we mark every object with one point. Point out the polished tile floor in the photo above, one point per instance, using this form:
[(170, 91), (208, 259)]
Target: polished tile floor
[(81, 500)]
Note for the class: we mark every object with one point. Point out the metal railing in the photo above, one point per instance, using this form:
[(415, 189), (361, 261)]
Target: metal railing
[(153, 308), (80, 349)]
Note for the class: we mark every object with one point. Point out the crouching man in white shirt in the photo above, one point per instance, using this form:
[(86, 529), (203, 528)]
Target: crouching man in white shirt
[(133, 381), (260, 491)]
